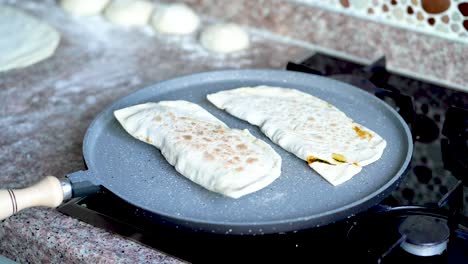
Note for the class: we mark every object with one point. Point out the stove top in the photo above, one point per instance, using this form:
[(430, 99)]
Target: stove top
[(424, 221)]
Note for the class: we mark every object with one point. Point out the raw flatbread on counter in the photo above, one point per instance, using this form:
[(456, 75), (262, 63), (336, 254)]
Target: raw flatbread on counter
[(228, 161), (333, 144), (24, 40)]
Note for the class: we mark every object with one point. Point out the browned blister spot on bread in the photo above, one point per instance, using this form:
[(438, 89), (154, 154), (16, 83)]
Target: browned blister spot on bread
[(241, 147), (208, 156), (362, 133), (251, 160), (338, 157), (312, 159)]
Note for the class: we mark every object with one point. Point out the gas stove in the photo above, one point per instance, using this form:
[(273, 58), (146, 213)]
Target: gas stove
[(423, 221)]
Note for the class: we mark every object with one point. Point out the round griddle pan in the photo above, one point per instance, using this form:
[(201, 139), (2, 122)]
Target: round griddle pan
[(298, 199)]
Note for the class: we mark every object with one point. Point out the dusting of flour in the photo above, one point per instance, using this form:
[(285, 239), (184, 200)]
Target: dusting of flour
[(46, 108)]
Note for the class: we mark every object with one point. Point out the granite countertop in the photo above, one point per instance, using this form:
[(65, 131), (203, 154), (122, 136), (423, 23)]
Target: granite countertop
[(292, 21), (46, 108)]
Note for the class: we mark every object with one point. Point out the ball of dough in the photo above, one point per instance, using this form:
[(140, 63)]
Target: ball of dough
[(175, 19), (224, 38), (129, 12), (84, 7)]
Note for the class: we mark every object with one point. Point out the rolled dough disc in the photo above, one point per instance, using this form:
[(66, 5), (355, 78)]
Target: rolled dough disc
[(24, 39)]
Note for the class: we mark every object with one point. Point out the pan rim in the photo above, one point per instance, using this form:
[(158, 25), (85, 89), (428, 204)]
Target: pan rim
[(383, 191)]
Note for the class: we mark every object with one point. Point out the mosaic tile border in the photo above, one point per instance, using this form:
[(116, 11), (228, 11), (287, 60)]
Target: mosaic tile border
[(442, 18)]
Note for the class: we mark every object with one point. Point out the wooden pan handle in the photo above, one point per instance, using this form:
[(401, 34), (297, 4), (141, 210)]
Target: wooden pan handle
[(47, 192)]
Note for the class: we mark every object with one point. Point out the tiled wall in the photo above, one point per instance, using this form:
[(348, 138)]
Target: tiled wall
[(444, 18)]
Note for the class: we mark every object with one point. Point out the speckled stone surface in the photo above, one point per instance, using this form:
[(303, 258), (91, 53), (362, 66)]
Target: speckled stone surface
[(45, 236), (407, 52), (46, 108)]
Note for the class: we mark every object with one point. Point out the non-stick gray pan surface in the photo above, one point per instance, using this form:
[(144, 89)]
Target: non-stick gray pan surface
[(298, 199)]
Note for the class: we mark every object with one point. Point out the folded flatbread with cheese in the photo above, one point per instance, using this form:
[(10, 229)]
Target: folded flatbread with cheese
[(228, 161), (333, 144)]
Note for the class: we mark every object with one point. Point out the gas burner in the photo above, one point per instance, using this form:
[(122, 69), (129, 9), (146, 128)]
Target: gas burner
[(424, 235), (415, 233)]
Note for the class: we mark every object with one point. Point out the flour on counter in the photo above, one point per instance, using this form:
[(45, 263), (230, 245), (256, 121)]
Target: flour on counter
[(45, 110), (48, 106), (99, 38)]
